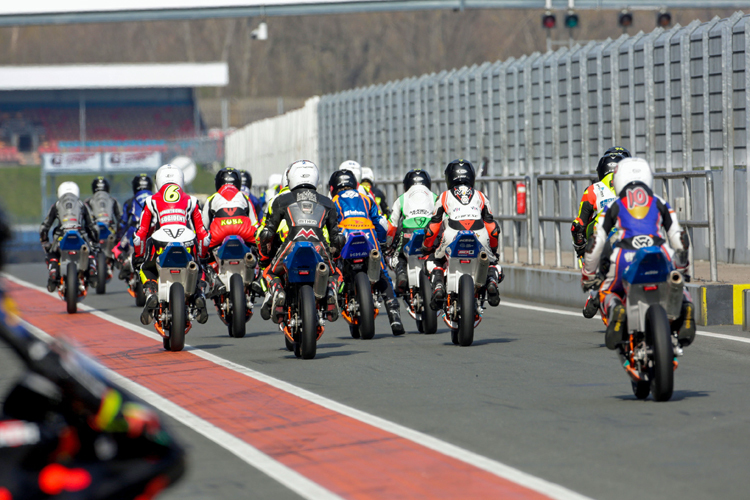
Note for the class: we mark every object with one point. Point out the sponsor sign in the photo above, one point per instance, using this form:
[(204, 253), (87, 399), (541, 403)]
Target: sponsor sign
[(62, 162), (132, 160)]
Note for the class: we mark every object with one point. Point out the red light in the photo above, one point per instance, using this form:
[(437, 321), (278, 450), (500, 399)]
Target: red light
[(548, 20), (358, 261), (650, 288), (465, 261), (304, 273), (234, 262), (174, 271)]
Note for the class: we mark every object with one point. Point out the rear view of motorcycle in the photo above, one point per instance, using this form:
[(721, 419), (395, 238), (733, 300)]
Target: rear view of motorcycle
[(419, 290), (74, 265), (237, 267), (105, 259), (360, 266)]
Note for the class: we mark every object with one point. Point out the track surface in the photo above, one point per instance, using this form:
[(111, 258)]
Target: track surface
[(537, 391)]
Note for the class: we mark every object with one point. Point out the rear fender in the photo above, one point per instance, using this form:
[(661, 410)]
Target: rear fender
[(301, 262)]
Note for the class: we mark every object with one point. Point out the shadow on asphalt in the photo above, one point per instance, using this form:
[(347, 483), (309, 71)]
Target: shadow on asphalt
[(210, 346), (483, 342), (676, 396)]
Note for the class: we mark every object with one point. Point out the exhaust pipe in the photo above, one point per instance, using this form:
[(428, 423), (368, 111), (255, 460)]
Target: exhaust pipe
[(250, 263), (192, 277), (373, 266), (110, 242), (320, 285), (83, 261), (674, 299), (481, 274)]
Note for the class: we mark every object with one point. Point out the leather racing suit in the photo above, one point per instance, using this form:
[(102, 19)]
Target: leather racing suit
[(595, 201)]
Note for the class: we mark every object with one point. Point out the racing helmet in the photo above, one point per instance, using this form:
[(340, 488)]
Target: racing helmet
[(354, 168), (417, 177), (228, 175), (68, 187), (608, 163), (142, 182), (302, 173), (459, 172), (99, 184), (632, 170), (619, 150), (274, 180), (169, 174), (246, 178), (367, 175), (341, 180)]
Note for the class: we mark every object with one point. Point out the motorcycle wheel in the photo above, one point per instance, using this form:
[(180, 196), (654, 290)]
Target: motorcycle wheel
[(429, 315), (71, 288), (165, 343), (363, 294), (101, 269), (641, 389), (289, 344), (178, 310), (309, 327), (140, 297), (466, 310), (454, 336), (658, 331), (239, 306), (354, 331)]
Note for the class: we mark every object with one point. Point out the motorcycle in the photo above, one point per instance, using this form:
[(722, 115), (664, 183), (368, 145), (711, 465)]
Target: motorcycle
[(468, 264), (131, 278), (105, 259), (178, 278), (419, 290), (74, 265), (653, 298), (359, 263), (237, 269)]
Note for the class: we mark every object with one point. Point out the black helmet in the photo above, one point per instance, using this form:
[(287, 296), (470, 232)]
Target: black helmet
[(608, 163), (142, 182), (459, 172), (100, 184), (340, 180), (246, 178), (418, 177), (228, 175), (617, 149)]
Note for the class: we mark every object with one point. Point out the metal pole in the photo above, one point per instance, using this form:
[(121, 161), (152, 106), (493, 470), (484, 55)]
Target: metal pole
[(711, 226), (687, 186), (529, 250), (558, 249), (539, 203), (514, 224), (82, 120)]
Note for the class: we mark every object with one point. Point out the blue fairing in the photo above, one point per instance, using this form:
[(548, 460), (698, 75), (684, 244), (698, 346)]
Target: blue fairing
[(233, 248), (174, 255), (414, 245), (71, 241), (649, 265), (301, 262), (358, 246), (466, 245), (104, 231)]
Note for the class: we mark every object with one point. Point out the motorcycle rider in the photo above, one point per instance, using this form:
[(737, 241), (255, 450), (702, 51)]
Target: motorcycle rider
[(247, 183), (355, 168), (272, 190), (461, 208), (358, 213), (411, 211), (143, 187), (170, 205), (310, 217), (368, 182), (640, 218), (103, 206), (594, 203), (71, 214)]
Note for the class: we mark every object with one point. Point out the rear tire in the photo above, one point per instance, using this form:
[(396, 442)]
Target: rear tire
[(71, 288), (140, 297), (239, 306), (429, 315), (420, 326), (354, 331), (454, 336), (178, 309), (641, 389), (466, 310), (309, 328), (165, 343), (363, 294), (657, 329), (101, 269)]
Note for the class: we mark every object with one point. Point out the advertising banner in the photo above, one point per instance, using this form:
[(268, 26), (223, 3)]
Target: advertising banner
[(132, 160), (72, 162)]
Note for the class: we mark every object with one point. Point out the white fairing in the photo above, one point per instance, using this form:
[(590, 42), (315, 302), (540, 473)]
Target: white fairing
[(178, 234), (68, 187), (633, 170), (169, 174), (353, 167)]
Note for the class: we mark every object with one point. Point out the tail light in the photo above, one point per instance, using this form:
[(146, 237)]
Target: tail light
[(174, 271), (304, 273), (650, 288), (465, 261)]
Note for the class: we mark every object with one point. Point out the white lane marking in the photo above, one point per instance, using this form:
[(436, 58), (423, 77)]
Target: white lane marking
[(580, 316), (242, 450), (492, 466)]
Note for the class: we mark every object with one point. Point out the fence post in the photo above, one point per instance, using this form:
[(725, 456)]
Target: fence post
[(558, 243), (539, 204), (711, 226), (529, 250)]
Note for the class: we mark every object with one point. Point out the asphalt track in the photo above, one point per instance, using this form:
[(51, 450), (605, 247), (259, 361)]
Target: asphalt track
[(536, 392)]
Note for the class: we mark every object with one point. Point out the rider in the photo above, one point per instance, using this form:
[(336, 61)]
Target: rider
[(71, 214), (411, 211), (226, 213), (102, 205), (355, 168), (358, 213), (310, 217), (170, 205), (594, 203), (368, 182), (143, 187), (640, 219), (247, 183), (272, 190), (461, 208)]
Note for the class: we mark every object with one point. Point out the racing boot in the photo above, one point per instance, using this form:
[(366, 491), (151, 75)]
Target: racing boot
[(200, 303), (592, 304), (275, 298), (438, 289), (402, 280), (394, 316), (125, 270), (493, 292), (686, 332), (54, 275), (332, 302), (152, 302), (93, 275), (217, 286), (616, 332)]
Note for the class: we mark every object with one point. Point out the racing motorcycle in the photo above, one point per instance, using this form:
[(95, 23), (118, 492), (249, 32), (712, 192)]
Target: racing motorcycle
[(653, 298), (359, 263), (468, 264), (74, 265), (105, 258), (178, 279), (419, 290), (237, 269)]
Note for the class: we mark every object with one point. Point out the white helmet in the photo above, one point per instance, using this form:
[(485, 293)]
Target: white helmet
[(353, 167), (274, 180), (632, 170), (68, 187), (169, 174), (302, 173), (368, 175)]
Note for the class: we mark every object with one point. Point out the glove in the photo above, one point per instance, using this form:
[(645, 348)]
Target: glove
[(425, 250), (137, 261), (46, 246), (577, 231), (590, 284), (580, 249)]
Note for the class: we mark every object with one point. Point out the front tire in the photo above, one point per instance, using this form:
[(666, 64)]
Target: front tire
[(178, 310), (239, 306), (309, 328), (657, 329), (429, 315), (101, 269), (641, 389), (466, 310), (71, 288), (363, 294)]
